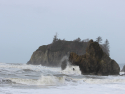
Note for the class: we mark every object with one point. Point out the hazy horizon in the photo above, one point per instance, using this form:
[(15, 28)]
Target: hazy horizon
[(27, 24)]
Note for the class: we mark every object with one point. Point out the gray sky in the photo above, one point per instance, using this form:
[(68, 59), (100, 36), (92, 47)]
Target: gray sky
[(27, 24)]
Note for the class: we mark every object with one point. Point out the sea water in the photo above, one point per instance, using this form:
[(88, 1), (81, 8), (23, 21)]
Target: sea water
[(37, 79)]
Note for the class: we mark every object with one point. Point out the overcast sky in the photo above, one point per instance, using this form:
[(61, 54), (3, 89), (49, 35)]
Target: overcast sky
[(27, 24)]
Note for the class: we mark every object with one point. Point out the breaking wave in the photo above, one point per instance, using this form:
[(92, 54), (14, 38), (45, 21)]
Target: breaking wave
[(25, 67), (5, 81), (72, 70), (40, 75), (43, 80)]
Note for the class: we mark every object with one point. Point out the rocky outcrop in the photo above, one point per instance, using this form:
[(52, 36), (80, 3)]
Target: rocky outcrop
[(123, 69), (95, 61), (52, 54)]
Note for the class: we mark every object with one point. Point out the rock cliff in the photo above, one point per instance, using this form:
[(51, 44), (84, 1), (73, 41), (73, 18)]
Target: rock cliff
[(95, 61), (52, 54)]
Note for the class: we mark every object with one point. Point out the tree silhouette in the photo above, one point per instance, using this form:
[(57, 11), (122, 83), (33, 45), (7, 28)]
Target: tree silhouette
[(86, 40), (78, 39), (99, 39), (55, 38), (106, 45)]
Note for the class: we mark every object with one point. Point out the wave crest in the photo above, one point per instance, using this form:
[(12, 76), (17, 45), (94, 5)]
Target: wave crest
[(44, 80)]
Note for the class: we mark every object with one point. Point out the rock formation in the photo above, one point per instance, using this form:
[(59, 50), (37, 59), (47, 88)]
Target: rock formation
[(123, 69), (95, 61), (52, 54)]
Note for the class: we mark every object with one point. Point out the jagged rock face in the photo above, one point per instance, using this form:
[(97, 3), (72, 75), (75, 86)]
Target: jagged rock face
[(95, 61)]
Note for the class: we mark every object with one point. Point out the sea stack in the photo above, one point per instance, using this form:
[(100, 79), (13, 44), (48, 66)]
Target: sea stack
[(52, 54), (123, 69), (95, 61)]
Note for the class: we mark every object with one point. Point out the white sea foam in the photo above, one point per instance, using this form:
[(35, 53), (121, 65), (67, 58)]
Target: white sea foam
[(70, 89), (30, 79), (103, 81), (43, 80), (51, 80), (16, 67), (72, 70)]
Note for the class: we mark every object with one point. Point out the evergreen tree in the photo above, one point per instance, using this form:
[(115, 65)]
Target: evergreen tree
[(106, 46), (99, 39), (55, 38), (78, 39), (86, 40)]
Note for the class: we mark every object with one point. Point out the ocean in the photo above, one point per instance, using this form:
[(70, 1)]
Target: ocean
[(37, 79)]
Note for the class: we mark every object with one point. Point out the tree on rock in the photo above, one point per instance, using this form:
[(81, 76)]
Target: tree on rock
[(86, 40), (99, 39), (55, 38), (78, 39), (106, 45)]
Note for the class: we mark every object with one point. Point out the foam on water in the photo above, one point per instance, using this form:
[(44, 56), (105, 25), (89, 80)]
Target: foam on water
[(15, 77), (43, 80), (25, 66), (5, 81), (21, 68), (70, 89), (72, 70), (104, 81)]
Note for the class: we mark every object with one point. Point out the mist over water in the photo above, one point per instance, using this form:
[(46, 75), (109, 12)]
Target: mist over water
[(64, 58)]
